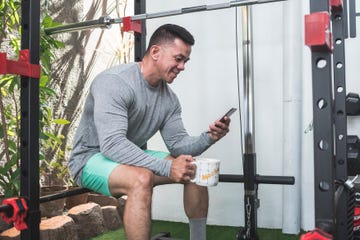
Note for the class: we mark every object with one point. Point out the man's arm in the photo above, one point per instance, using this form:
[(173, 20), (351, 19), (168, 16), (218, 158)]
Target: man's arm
[(111, 102)]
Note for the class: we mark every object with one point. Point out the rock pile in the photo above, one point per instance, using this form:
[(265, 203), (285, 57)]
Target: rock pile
[(80, 222)]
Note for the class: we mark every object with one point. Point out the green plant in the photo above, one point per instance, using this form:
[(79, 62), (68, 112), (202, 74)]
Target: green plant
[(51, 146)]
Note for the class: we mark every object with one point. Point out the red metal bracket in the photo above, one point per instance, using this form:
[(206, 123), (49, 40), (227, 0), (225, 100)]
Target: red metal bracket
[(317, 31), (22, 67), (336, 5), (19, 213), (130, 25), (316, 234), (357, 219)]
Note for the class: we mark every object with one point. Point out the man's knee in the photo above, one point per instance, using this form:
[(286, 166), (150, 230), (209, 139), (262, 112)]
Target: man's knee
[(129, 179), (144, 179)]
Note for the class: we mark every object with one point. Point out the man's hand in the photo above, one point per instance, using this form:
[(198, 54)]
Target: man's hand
[(219, 129), (182, 169)]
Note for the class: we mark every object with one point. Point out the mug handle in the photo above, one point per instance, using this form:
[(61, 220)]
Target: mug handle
[(194, 179)]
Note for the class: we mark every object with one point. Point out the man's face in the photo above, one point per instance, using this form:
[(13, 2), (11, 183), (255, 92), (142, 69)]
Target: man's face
[(172, 59)]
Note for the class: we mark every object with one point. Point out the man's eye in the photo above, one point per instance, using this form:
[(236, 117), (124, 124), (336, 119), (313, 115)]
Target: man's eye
[(178, 59)]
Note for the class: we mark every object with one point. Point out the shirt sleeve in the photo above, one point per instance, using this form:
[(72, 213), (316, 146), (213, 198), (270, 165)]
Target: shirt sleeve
[(178, 141), (111, 103)]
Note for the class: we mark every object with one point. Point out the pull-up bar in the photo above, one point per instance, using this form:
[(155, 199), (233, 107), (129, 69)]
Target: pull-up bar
[(106, 21)]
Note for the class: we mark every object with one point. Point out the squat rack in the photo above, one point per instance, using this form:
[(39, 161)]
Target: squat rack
[(326, 29), (30, 40)]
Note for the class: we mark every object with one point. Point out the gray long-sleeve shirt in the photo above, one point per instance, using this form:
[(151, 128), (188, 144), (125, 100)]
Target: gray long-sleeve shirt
[(122, 112)]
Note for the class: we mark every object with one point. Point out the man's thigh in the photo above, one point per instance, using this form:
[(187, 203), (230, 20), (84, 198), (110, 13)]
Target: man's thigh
[(96, 174), (108, 177), (122, 178)]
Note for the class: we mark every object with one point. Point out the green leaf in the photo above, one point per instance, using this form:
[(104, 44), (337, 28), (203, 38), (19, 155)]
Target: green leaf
[(61, 121), (44, 79), (53, 137), (15, 176), (48, 91), (47, 21)]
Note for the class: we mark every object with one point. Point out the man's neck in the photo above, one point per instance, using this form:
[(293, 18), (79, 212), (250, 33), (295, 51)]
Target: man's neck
[(149, 75)]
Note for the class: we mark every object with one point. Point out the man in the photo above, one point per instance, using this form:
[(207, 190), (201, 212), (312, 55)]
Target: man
[(126, 106)]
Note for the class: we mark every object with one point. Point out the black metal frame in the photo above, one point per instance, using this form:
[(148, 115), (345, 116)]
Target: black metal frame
[(140, 39), (352, 17), (30, 39), (323, 131), (343, 196), (333, 208)]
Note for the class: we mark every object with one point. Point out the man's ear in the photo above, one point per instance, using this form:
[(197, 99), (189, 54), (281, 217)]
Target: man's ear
[(155, 52)]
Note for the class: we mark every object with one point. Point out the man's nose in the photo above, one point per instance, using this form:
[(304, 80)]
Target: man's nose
[(181, 66)]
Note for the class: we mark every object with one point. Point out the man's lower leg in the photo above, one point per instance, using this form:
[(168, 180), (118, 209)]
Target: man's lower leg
[(196, 202), (137, 219), (197, 228)]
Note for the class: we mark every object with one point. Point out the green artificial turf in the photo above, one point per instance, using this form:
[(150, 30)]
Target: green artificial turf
[(181, 231)]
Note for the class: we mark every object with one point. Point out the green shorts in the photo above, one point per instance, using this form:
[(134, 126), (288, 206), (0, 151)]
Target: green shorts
[(98, 168)]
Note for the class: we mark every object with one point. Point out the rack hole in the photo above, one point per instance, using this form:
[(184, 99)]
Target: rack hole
[(340, 113), (321, 103), (340, 137), (338, 41), (338, 17), (339, 65), (324, 186), (340, 89), (323, 145), (321, 63)]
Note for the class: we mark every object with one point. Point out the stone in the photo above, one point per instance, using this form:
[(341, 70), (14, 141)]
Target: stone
[(58, 228), (121, 207), (75, 200), (55, 228), (102, 200), (89, 220), (111, 216), (52, 208), (10, 234)]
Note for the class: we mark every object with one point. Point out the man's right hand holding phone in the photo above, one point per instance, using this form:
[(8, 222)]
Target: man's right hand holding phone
[(220, 127)]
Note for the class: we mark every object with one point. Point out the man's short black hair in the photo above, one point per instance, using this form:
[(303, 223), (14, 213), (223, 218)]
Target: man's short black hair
[(168, 33)]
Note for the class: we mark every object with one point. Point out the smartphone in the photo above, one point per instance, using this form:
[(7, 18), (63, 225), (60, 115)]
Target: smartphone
[(228, 114)]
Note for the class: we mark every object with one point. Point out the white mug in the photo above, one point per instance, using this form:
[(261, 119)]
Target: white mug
[(207, 172)]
